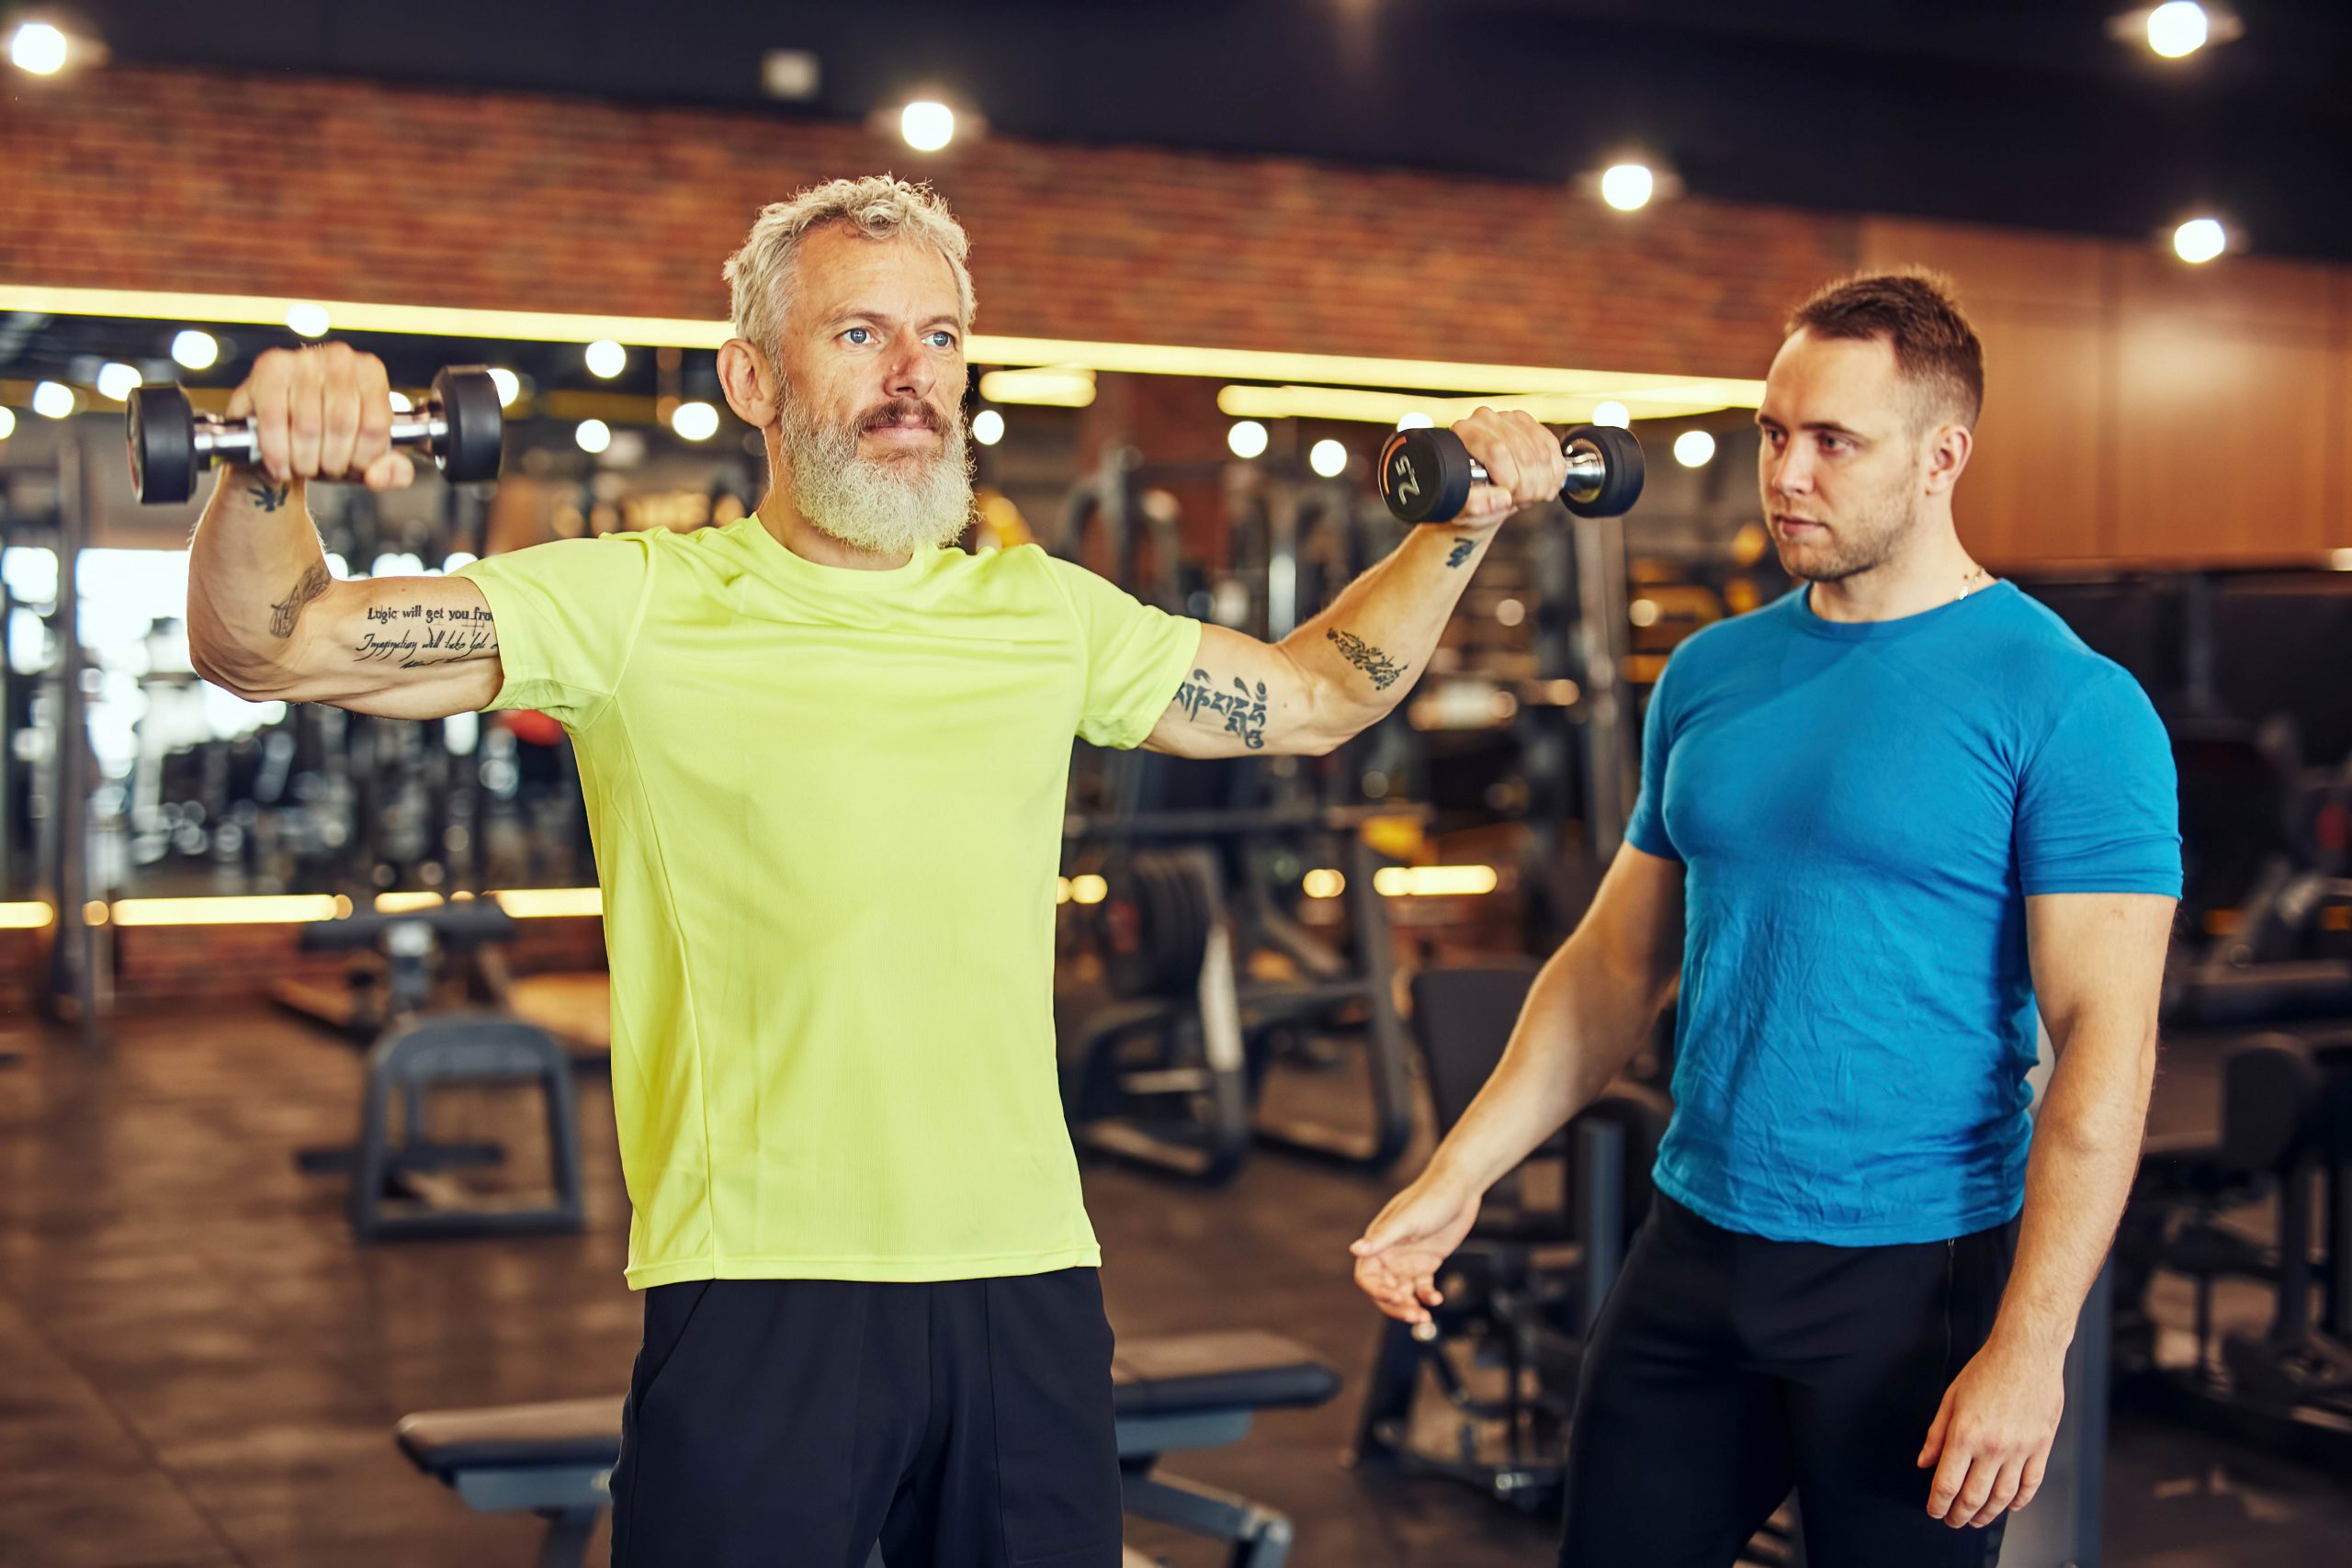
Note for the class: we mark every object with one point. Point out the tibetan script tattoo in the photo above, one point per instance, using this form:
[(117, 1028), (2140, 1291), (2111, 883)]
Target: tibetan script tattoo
[(1243, 709), (270, 497), (1461, 548), (1382, 669)]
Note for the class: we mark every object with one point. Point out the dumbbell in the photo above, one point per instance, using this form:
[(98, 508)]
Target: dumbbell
[(460, 424), (1426, 475)]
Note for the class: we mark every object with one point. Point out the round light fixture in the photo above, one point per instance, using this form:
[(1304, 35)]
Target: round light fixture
[(1627, 186), (1612, 413), (987, 427), (39, 49), (2179, 28), (1694, 448), (1328, 458), (307, 320), (193, 350), (117, 380), (695, 420), (607, 358), (510, 386), (926, 125), (53, 400), (593, 435), (2200, 240)]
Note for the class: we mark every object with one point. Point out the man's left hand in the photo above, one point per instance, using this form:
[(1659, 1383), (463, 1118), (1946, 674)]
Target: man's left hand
[(1991, 1438)]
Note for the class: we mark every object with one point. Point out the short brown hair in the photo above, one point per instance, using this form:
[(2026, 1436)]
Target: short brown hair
[(1935, 348)]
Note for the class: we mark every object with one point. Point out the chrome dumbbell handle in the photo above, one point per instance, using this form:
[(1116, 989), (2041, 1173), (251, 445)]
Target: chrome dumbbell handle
[(234, 441)]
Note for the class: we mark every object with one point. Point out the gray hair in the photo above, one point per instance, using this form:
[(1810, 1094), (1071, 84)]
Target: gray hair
[(881, 206)]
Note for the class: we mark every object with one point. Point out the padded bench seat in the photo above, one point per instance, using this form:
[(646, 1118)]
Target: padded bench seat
[(1193, 1391)]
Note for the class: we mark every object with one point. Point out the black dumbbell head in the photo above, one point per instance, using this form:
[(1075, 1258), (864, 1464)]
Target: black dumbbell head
[(161, 429), (1621, 474), (1425, 475), (475, 425)]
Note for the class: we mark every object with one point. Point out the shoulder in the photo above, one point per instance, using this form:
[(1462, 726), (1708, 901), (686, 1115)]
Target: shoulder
[(2039, 656)]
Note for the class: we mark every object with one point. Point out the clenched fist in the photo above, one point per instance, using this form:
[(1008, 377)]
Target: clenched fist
[(323, 413)]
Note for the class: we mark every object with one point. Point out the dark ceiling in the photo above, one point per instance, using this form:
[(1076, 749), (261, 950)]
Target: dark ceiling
[(2025, 114)]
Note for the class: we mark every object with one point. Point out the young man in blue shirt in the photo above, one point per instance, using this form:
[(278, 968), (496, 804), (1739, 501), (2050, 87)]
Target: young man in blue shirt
[(1884, 823)]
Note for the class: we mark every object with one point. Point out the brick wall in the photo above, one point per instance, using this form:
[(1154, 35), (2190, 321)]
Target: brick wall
[(143, 178)]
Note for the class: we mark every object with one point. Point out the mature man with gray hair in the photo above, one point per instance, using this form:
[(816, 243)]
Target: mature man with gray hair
[(825, 754)]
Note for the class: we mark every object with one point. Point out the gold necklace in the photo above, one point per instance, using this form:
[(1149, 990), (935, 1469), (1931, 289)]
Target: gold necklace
[(1968, 583)]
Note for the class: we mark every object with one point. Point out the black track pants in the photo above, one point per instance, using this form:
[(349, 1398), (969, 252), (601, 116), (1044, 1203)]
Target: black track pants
[(1727, 1369)]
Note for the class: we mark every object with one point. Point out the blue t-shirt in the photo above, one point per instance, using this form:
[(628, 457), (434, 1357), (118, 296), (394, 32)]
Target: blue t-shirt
[(1861, 810)]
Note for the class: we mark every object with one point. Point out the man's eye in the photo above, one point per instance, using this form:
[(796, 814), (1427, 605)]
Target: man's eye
[(942, 339), (859, 334)]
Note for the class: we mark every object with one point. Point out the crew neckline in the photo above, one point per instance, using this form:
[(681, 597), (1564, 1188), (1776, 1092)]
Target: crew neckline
[(1885, 631), (842, 579)]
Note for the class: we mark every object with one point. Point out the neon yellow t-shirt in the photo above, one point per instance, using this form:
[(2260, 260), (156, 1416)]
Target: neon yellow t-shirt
[(827, 811)]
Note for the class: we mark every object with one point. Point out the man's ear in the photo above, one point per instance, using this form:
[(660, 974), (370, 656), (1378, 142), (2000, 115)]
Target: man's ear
[(1947, 456), (749, 380)]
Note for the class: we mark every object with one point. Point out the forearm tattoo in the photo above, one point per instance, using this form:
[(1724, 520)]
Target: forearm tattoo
[(269, 497), (287, 611), (1463, 550), (415, 635), (1241, 711), (1382, 669)]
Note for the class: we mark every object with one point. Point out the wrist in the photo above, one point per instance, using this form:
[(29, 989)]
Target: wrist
[(2033, 1334), (1448, 1171)]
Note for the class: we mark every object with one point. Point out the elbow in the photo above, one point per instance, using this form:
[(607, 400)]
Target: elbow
[(253, 683)]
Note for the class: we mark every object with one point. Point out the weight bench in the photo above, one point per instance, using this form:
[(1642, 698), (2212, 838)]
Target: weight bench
[(1196, 1391)]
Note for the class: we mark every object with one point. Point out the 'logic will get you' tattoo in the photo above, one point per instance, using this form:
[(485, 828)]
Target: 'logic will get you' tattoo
[(270, 497), (1382, 669), (447, 635), (1243, 710), (1462, 549)]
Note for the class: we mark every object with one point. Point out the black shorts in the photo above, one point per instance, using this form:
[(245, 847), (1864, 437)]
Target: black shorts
[(794, 1423), (1727, 1370)]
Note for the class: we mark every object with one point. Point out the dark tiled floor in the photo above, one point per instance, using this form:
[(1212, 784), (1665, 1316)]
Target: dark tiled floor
[(203, 1369)]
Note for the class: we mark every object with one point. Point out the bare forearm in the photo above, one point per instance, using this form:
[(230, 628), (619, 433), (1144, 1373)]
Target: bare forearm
[(2086, 1147), (1587, 1014), (1370, 645), (255, 565)]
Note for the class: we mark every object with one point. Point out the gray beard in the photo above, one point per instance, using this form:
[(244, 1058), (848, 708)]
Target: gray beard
[(887, 506)]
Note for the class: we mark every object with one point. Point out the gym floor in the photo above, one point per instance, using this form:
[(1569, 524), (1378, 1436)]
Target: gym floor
[(204, 1370)]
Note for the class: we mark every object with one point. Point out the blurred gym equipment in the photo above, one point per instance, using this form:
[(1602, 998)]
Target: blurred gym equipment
[(399, 1185), (1174, 1394)]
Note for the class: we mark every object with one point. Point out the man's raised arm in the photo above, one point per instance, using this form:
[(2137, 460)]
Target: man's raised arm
[(264, 618)]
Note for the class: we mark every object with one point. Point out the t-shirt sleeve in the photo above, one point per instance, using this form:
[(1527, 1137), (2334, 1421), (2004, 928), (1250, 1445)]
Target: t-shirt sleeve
[(1645, 828), (1136, 656), (565, 614), (2099, 809)]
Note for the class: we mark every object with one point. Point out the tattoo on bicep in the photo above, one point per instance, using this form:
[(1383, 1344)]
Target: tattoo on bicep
[(1463, 548), (415, 635), (270, 497), (1382, 669), (1241, 711), (287, 611)]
